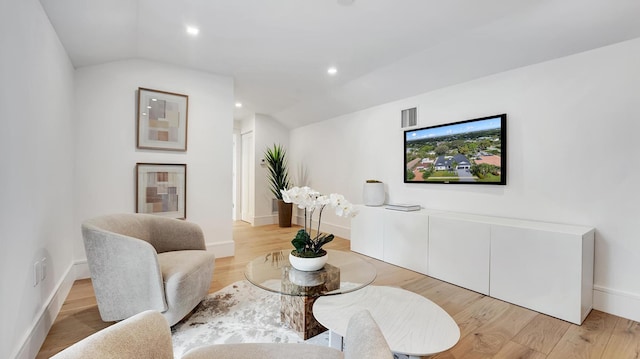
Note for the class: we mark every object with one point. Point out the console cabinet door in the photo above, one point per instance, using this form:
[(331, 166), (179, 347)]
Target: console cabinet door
[(367, 232), (459, 252), (406, 236), (538, 269)]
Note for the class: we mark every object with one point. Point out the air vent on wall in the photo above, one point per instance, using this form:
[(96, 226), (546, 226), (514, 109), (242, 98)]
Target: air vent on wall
[(409, 117)]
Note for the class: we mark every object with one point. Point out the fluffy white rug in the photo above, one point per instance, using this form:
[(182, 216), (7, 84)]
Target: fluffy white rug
[(238, 313)]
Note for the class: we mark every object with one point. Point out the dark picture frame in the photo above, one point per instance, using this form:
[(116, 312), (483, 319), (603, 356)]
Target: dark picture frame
[(162, 120), (161, 189)]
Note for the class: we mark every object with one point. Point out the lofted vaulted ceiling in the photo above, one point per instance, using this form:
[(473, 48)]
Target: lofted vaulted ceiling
[(278, 51)]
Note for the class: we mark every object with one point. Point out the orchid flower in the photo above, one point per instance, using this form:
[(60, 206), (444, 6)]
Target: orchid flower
[(312, 201)]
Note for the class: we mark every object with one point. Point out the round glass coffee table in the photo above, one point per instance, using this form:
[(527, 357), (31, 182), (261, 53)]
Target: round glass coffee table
[(344, 272)]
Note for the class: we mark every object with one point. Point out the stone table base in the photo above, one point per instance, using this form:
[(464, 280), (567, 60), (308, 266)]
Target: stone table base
[(297, 310)]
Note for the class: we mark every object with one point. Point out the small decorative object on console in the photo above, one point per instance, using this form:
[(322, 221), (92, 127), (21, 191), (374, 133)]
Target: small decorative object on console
[(373, 193), (403, 207)]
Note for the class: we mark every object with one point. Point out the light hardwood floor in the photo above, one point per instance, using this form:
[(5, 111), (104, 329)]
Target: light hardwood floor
[(489, 327)]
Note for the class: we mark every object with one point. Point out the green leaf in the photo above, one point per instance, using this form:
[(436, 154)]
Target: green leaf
[(321, 241), (278, 175), (301, 241)]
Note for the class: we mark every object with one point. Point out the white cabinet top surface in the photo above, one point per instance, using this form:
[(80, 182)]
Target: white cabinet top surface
[(502, 221), (423, 211), (518, 223)]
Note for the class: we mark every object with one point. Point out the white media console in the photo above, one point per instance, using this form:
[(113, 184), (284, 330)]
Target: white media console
[(546, 267)]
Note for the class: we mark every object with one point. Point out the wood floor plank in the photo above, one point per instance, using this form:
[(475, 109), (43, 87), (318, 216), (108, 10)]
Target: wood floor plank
[(625, 340), (451, 298), (513, 350), (492, 332), (542, 333), (587, 340), (478, 314)]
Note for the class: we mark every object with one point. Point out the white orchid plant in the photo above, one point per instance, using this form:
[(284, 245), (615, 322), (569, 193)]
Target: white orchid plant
[(313, 201)]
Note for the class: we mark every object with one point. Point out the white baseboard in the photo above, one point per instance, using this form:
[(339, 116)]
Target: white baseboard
[(82, 269), (222, 249), (616, 302), (46, 316), (340, 231), (265, 220)]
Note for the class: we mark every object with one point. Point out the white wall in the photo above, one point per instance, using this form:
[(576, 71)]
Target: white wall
[(267, 132), (36, 185), (572, 155), (106, 144), (247, 168)]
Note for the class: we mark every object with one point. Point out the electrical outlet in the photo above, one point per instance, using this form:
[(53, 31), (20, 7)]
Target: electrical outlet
[(36, 273), (43, 269)]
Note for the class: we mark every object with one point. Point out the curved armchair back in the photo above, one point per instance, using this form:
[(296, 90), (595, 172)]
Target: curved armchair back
[(164, 234), (127, 272), (145, 335)]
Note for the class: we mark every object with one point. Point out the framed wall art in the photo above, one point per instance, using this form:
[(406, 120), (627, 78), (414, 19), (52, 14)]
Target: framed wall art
[(161, 189), (162, 120)]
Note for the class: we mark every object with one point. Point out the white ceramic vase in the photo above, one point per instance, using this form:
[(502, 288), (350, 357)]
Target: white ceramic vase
[(373, 194), (308, 264)]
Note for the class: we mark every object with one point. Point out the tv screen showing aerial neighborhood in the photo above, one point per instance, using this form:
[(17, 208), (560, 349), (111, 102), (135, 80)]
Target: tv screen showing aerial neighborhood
[(464, 152)]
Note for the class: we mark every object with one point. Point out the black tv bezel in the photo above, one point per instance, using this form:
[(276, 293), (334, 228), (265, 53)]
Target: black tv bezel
[(503, 151)]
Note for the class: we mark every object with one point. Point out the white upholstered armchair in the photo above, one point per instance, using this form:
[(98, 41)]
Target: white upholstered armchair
[(144, 262)]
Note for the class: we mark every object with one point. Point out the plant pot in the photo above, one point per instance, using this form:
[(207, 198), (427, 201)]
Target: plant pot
[(373, 194), (284, 213), (308, 264)]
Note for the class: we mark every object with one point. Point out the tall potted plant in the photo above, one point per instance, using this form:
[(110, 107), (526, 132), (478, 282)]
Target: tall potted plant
[(278, 176)]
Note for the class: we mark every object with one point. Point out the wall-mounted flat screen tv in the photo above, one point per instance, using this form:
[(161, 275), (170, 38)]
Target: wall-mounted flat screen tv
[(466, 152)]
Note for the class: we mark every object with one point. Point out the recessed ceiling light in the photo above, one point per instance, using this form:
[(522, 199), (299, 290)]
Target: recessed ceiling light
[(332, 71), (192, 30), (238, 104)]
